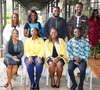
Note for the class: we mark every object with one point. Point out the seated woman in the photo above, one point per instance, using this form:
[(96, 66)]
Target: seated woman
[(13, 54), (56, 56), (34, 51)]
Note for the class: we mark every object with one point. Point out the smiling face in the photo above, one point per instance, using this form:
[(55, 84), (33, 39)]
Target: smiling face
[(33, 16), (96, 13), (15, 18), (53, 33), (34, 32), (56, 12), (15, 34), (78, 8), (77, 33)]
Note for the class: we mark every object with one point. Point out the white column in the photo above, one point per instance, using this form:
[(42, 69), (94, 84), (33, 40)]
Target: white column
[(12, 6), (5, 13), (16, 7), (23, 15), (91, 80), (1, 40)]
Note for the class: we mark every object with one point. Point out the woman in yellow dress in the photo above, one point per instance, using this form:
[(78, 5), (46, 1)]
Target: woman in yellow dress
[(56, 56)]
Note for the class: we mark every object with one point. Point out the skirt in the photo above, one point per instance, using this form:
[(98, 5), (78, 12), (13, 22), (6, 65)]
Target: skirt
[(10, 61)]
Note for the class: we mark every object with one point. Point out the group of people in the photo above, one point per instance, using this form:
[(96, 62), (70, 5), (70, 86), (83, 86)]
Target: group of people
[(53, 50)]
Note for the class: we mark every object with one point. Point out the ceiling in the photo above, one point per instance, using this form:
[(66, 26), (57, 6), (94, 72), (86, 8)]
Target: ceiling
[(34, 4)]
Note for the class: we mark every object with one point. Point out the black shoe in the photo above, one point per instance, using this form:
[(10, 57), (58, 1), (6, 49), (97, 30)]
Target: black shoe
[(32, 86), (53, 86), (80, 87), (32, 89), (73, 87), (36, 87), (57, 86)]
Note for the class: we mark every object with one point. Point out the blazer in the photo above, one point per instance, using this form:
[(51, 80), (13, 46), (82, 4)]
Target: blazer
[(20, 49), (8, 60), (60, 48)]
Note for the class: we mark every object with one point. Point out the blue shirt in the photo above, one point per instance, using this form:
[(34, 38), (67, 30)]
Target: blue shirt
[(35, 25), (28, 26), (78, 48)]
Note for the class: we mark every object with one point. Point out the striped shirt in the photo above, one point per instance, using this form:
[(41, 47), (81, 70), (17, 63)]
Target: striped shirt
[(78, 48)]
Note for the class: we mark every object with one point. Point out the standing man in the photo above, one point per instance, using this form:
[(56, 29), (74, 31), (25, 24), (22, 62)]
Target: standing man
[(78, 20), (56, 22)]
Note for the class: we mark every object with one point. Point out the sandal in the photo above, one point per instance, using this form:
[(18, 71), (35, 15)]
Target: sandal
[(9, 88), (16, 75), (6, 85)]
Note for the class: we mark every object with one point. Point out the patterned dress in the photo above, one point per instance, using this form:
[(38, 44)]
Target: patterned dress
[(94, 32)]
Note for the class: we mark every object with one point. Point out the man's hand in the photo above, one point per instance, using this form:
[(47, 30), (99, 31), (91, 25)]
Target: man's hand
[(30, 60), (77, 60)]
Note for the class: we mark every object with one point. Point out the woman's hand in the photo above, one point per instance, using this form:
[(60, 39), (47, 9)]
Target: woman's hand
[(30, 60), (15, 58), (25, 33), (52, 58), (39, 60), (56, 59)]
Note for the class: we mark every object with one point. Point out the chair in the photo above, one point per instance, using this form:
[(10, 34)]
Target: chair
[(68, 77), (46, 71), (46, 74), (26, 77), (3, 74), (91, 75), (21, 77)]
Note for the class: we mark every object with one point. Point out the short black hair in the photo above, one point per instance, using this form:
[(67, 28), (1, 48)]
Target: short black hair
[(56, 7), (36, 30), (15, 30), (80, 3), (79, 28)]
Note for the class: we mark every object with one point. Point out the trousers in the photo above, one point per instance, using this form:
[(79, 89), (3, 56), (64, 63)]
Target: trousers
[(30, 69), (82, 67)]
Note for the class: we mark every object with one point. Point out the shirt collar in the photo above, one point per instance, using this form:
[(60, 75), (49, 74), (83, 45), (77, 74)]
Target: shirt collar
[(55, 19), (35, 39), (78, 40), (78, 16), (16, 26)]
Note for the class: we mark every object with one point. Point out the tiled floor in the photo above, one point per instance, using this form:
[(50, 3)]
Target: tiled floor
[(16, 85)]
